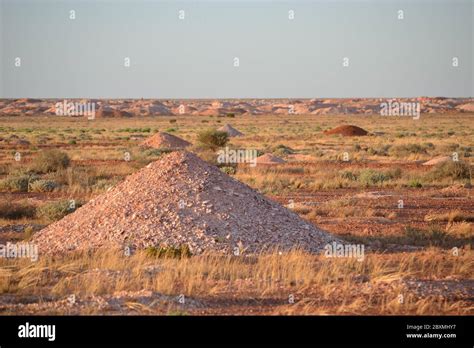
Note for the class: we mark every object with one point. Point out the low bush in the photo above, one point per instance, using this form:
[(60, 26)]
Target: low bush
[(415, 183), (56, 210), (42, 186), (228, 170), (50, 161), (213, 139), (156, 152), (182, 251), (381, 150), (431, 236), (370, 177), (17, 183), (451, 169), (407, 149), (348, 175)]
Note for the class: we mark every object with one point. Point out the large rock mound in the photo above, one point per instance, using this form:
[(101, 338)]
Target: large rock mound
[(163, 140), (182, 200), (347, 131)]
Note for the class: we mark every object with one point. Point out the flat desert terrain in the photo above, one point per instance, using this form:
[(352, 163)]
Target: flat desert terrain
[(402, 192)]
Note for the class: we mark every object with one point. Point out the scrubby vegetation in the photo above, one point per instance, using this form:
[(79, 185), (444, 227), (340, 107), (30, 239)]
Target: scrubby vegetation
[(56, 210), (213, 139), (49, 161), (168, 252), (16, 210), (451, 169), (358, 199), (18, 183), (42, 186)]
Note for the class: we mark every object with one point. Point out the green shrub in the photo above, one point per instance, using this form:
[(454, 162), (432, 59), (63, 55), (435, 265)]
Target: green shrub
[(14, 211), (18, 183), (348, 175), (394, 173), (370, 177), (50, 161), (431, 236), (415, 183), (182, 251), (379, 150), (156, 152), (408, 149), (228, 170), (103, 184), (55, 210), (213, 139), (42, 186), (450, 169)]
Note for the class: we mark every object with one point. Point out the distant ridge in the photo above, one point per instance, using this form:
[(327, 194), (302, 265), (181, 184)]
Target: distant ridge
[(236, 107)]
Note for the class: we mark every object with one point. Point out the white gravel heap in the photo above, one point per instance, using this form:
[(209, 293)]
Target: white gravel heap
[(182, 200), (231, 131)]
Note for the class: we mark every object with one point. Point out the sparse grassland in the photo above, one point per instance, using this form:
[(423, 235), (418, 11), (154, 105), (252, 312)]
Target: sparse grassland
[(415, 221)]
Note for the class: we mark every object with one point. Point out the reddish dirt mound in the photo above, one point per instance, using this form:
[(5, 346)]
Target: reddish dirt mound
[(269, 158), (165, 141), (182, 200), (347, 131)]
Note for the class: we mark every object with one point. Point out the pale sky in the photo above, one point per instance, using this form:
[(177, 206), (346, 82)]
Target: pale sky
[(194, 57)]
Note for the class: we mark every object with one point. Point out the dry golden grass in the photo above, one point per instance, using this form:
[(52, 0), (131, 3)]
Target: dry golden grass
[(450, 217), (319, 285)]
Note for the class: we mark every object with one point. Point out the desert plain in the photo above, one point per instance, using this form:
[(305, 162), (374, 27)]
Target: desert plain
[(403, 191)]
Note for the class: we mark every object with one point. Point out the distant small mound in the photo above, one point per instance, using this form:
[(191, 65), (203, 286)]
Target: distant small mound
[(112, 113), (268, 158), (469, 107), (437, 160), (347, 131), (231, 131), (163, 140)]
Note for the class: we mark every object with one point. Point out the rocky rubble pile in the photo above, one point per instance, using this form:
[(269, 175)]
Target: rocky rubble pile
[(182, 200), (164, 140)]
